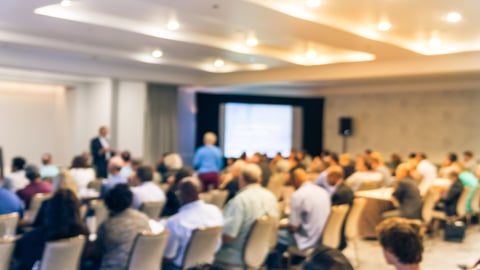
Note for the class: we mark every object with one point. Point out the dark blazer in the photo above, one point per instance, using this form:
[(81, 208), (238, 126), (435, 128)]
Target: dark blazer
[(99, 159), (451, 200), (343, 195), (408, 195)]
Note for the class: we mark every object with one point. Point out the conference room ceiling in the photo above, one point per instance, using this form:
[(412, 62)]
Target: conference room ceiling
[(215, 42)]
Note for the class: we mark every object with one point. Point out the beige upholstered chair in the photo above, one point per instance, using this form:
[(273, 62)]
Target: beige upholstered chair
[(35, 205), (475, 205), (332, 234), (368, 185), (152, 209), (351, 225), (461, 206), (219, 197), (258, 243), (147, 251), (6, 250), (8, 225), (206, 197), (201, 246), (101, 214), (429, 202), (63, 254)]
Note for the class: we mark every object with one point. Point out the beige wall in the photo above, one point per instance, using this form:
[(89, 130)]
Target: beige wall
[(432, 122)]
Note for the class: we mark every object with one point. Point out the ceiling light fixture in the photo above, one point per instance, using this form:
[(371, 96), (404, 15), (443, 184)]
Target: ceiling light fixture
[(251, 40), (157, 53), (312, 3), (218, 63), (384, 26), (173, 24), (454, 17), (311, 54), (66, 3), (435, 42)]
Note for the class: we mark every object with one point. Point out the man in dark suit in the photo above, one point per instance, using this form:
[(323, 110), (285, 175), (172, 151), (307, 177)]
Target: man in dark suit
[(342, 193), (100, 149)]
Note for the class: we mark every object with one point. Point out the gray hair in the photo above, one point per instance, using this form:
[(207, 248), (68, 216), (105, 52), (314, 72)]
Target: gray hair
[(251, 173), (282, 166), (173, 161)]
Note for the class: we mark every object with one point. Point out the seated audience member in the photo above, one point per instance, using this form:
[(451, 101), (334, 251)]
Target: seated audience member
[(309, 211), (173, 162), (342, 194), (363, 174), (10, 203), (279, 178), (64, 180), (173, 200), (260, 160), (114, 177), (116, 235), (401, 242), (16, 179), (61, 220), (81, 172), (127, 169), (376, 161), (231, 185), (395, 160), (36, 185), (332, 160), (468, 179), (449, 164), (425, 174), (48, 170), (469, 162), (251, 202), (406, 195), (326, 258), (449, 197), (348, 167), (194, 214), (147, 191), (208, 162)]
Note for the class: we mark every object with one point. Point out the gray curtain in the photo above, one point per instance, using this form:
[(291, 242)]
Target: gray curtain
[(160, 122)]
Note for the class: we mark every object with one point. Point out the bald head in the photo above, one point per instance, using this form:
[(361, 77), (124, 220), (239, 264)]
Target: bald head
[(103, 131), (402, 171), (298, 177), (334, 175), (189, 189)]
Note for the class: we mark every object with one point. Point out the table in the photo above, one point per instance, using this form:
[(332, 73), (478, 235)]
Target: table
[(378, 201)]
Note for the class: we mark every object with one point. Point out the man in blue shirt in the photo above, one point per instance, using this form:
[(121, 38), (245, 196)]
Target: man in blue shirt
[(208, 162), (10, 203)]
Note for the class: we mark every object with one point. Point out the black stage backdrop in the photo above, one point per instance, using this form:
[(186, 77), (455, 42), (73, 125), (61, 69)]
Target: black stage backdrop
[(208, 107)]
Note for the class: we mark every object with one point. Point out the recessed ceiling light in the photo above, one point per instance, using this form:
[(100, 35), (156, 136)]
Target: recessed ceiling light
[(311, 54), (313, 3), (454, 17), (251, 41), (65, 3), (218, 63), (157, 53), (384, 26), (173, 24), (435, 42)]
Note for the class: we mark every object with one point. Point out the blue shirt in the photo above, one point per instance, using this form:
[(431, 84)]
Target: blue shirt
[(322, 181), (208, 158), (49, 171), (10, 203)]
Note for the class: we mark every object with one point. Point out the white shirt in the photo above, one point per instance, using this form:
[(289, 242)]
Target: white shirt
[(429, 174), (189, 217), (147, 192), (105, 144), (310, 208), (82, 177), (16, 181)]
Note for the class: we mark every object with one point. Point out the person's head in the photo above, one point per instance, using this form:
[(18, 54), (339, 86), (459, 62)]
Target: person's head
[(62, 213), (119, 198), (451, 158), (344, 160), (453, 176), (237, 167), (401, 241), (374, 162), (282, 166), (46, 159), (333, 159), (250, 174), (298, 176), (32, 173), (467, 155), (173, 161), (363, 165), (368, 153), (421, 156), (64, 180), (325, 258), (144, 173), (126, 156), (396, 158), (103, 131), (402, 171), (18, 163), (182, 173), (189, 188), (79, 162), (115, 165), (209, 138), (334, 175)]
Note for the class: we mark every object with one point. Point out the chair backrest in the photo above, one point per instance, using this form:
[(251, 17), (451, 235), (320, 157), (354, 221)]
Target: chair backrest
[(368, 185), (201, 246), (332, 233), (147, 251), (257, 245), (429, 202), (206, 197), (219, 197), (475, 203), (6, 250), (8, 225), (63, 254), (152, 208), (462, 202), (101, 214), (36, 203), (353, 219)]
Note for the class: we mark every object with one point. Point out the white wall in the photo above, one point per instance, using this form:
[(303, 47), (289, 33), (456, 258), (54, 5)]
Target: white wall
[(131, 116), (432, 122)]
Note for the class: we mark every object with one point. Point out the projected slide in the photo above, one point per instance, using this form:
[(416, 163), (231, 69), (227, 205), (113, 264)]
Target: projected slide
[(254, 128)]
